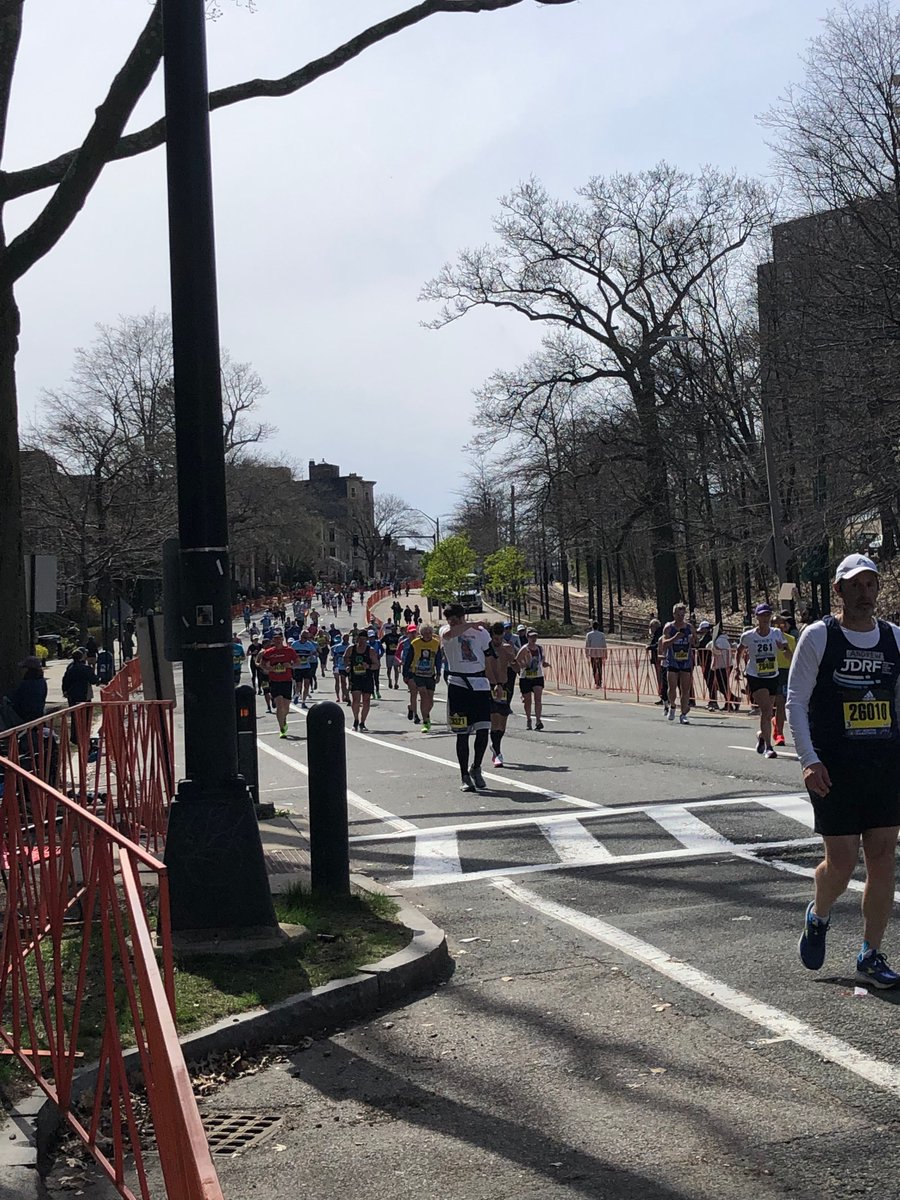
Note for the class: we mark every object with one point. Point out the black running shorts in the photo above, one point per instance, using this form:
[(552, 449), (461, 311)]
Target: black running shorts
[(468, 710), (424, 683), (864, 795), (362, 683), (755, 685), (281, 687), (528, 685)]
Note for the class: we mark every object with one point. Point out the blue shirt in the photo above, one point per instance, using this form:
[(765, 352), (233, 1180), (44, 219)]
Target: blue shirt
[(309, 654)]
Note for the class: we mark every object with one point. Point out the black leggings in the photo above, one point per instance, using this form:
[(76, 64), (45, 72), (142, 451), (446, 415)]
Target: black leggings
[(462, 749)]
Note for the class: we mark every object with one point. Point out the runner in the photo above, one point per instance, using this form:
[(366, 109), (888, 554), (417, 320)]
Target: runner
[(390, 640), (397, 611), (378, 650), (252, 651), (339, 668), (246, 613), (842, 705), (759, 646), (402, 647), (782, 622), (279, 661), (531, 659), (237, 657), (422, 666), (305, 670), (677, 647), (263, 674), (468, 691), (501, 650), (361, 664), (323, 645)]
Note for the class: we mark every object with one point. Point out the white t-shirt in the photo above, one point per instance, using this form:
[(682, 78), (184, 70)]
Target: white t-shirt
[(595, 640), (465, 656), (805, 664), (762, 650), (721, 652)]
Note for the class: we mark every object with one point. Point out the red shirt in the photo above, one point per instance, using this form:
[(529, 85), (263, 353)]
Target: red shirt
[(277, 662)]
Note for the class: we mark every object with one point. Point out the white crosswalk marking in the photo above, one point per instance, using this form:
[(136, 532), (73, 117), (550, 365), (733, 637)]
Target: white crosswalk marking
[(573, 843), (437, 856), (693, 833), (797, 808)]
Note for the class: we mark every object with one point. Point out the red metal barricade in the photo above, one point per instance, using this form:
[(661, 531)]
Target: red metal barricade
[(627, 672), (115, 759), (79, 978), (126, 684)]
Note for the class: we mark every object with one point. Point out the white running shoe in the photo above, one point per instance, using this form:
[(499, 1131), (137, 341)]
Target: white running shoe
[(683, 720), (670, 716), (497, 759)]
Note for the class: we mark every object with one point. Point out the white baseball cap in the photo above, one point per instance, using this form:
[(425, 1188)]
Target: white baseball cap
[(852, 565)]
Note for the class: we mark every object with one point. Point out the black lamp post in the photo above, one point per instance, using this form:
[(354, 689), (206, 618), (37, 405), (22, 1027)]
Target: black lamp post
[(217, 874)]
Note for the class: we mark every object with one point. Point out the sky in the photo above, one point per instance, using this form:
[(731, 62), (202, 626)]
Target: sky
[(334, 206)]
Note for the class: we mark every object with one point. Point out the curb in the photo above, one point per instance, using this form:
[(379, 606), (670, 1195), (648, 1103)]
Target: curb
[(30, 1127)]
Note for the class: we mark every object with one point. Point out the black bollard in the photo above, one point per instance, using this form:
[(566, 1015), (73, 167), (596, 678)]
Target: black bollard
[(329, 846), (248, 755)]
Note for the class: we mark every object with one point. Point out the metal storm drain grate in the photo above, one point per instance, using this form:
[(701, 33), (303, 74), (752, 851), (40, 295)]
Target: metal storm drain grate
[(231, 1132)]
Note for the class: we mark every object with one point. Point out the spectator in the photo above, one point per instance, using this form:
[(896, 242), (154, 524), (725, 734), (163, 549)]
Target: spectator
[(704, 638), (78, 681), (655, 632), (90, 651), (29, 697), (106, 667), (595, 649), (720, 651)]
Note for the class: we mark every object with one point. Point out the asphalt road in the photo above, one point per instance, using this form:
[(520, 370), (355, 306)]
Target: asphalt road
[(628, 1016)]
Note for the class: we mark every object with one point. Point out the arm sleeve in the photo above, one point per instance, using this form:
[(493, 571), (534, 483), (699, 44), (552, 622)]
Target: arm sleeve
[(801, 681)]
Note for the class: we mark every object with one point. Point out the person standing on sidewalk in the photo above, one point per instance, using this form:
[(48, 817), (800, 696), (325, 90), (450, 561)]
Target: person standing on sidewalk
[(77, 687), (468, 691), (595, 649), (842, 704)]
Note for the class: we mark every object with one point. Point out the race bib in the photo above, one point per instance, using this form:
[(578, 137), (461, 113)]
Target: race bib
[(531, 673), (867, 718), (682, 655), (459, 721), (359, 668), (766, 666)]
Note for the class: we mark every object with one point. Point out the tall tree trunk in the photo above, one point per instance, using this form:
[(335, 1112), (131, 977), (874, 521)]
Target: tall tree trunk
[(589, 575), (14, 625), (564, 580), (748, 593), (734, 590), (717, 590), (609, 587), (656, 493), (598, 567)]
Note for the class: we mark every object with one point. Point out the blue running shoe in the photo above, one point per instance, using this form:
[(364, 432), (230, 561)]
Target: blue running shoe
[(812, 941), (872, 968)]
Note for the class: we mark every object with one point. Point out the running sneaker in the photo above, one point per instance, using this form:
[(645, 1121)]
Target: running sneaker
[(409, 713), (683, 719), (872, 968), (760, 745), (778, 739), (539, 724), (356, 724), (363, 728), (466, 785), (712, 706), (416, 720), (670, 715), (303, 705), (378, 695), (426, 726), (528, 723), (770, 753), (497, 759), (658, 702), (812, 940), (478, 779)]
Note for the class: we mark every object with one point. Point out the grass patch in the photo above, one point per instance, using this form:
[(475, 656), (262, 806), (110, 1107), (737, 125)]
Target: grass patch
[(346, 934)]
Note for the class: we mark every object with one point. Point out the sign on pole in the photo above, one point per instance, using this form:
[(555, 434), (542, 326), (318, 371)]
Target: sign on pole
[(40, 582), (156, 671)]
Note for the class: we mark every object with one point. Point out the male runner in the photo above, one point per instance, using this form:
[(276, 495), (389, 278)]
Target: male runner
[(501, 650), (278, 662), (468, 690), (361, 665), (402, 647), (677, 647), (531, 659), (760, 646), (842, 705), (252, 651), (390, 640), (323, 645), (237, 657), (422, 666), (305, 671), (378, 650), (339, 667)]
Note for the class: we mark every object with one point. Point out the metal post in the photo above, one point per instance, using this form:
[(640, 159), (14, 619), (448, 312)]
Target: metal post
[(329, 847), (217, 873)]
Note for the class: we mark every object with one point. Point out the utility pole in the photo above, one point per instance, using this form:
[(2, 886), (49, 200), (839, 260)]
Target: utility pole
[(217, 875), (768, 336)]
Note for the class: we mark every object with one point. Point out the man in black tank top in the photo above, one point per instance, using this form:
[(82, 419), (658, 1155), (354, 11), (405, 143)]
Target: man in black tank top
[(843, 710)]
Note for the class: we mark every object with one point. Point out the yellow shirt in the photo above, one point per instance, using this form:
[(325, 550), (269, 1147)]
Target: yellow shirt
[(783, 661)]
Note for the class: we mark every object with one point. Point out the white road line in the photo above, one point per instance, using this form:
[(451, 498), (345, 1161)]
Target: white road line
[(366, 806), (823, 1045), (602, 859), (855, 885), (795, 808), (436, 855), (562, 797), (781, 752), (572, 842), (601, 814), (688, 829)]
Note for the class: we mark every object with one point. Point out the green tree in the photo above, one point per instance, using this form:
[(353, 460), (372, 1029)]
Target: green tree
[(448, 565), (506, 571)]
